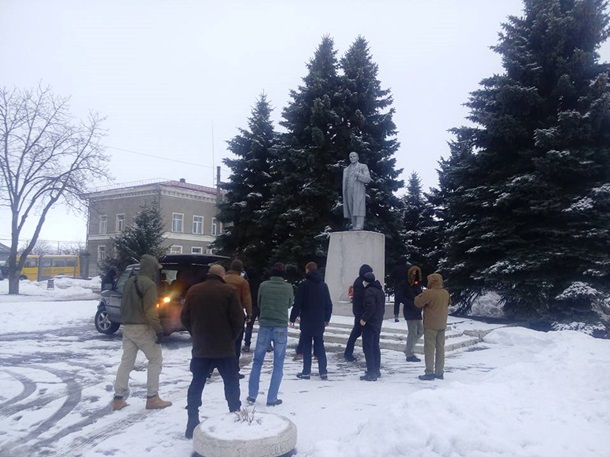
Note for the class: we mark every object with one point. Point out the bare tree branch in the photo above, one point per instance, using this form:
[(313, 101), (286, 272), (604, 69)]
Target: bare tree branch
[(45, 158)]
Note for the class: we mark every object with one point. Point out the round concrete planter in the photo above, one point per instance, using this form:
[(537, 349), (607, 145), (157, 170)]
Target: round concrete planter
[(268, 435)]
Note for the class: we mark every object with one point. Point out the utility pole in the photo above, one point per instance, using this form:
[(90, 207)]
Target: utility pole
[(218, 185), (213, 155)]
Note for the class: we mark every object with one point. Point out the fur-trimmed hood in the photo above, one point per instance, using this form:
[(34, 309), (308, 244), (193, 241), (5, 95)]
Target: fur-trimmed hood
[(414, 274)]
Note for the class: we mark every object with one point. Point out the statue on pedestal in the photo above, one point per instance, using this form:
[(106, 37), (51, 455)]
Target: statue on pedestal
[(355, 176)]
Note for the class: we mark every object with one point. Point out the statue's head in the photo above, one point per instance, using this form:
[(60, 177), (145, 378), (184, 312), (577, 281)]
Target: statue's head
[(353, 157)]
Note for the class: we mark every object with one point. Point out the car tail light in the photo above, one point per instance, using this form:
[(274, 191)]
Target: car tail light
[(163, 301)]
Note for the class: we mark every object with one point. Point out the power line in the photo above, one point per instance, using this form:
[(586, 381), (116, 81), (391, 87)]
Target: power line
[(161, 158)]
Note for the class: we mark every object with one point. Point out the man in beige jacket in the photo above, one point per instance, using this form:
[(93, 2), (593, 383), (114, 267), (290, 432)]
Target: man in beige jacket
[(435, 302)]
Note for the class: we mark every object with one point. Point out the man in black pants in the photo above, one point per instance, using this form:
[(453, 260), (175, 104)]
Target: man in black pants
[(254, 281), (213, 315), (371, 320), (313, 305), (357, 307)]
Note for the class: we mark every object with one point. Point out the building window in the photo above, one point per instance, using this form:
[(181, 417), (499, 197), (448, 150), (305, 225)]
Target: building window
[(196, 250), (175, 249), (197, 225), (101, 254), (120, 222), (216, 227), (103, 224), (177, 219)]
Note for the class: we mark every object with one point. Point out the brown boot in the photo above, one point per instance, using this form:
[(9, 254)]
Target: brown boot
[(156, 403), (118, 404)]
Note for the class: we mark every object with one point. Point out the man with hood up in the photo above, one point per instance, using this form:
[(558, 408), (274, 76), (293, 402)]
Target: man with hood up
[(357, 308), (371, 320), (314, 306), (141, 331), (435, 301), (411, 289)]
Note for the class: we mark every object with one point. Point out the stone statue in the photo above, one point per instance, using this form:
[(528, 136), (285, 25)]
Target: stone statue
[(355, 176)]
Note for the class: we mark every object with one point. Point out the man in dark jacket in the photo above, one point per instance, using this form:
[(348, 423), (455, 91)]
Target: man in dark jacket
[(141, 331), (411, 289), (371, 320), (213, 316), (357, 307), (314, 306)]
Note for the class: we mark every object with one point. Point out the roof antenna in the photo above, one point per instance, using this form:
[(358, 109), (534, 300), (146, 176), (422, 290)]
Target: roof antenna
[(213, 154)]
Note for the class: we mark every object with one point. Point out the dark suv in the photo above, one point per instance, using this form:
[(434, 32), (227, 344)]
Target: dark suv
[(178, 273)]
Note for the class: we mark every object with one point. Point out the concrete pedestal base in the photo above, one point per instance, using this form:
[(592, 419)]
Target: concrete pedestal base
[(269, 435), (347, 251)]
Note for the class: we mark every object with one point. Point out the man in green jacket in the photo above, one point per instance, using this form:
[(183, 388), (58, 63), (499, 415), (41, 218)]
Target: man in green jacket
[(275, 297), (141, 331)]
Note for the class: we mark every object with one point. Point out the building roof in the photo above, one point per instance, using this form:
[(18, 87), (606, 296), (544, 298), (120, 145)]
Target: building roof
[(168, 183), (187, 185)]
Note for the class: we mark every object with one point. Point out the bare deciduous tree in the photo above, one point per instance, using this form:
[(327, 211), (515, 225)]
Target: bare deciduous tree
[(46, 157), (42, 247)]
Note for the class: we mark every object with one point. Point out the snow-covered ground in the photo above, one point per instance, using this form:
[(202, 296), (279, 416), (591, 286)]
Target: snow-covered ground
[(517, 393)]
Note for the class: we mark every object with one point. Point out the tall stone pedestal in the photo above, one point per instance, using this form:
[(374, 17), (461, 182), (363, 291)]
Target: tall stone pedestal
[(347, 251)]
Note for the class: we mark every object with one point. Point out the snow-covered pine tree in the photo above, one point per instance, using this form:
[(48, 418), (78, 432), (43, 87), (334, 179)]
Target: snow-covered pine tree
[(144, 236), (534, 198), (248, 189), (457, 214), (329, 116), (305, 197), (418, 226), (369, 129)]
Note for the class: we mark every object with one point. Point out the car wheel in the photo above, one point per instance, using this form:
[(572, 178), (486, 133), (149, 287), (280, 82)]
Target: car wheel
[(23, 277), (103, 324)]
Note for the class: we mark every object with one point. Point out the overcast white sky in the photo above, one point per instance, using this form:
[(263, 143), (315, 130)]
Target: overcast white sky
[(177, 78)]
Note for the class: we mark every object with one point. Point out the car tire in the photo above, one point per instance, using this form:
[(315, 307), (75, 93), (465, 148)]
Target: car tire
[(103, 323), (23, 277)]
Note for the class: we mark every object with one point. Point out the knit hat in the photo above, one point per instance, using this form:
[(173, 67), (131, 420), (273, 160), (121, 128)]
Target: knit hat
[(369, 277)]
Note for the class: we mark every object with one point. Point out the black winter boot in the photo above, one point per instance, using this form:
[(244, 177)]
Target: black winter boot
[(427, 377), (191, 425)]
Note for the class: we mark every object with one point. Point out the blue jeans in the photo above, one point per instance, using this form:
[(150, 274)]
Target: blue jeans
[(279, 336)]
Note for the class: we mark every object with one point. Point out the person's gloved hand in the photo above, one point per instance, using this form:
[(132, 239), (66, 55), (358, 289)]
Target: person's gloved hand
[(160, 337)]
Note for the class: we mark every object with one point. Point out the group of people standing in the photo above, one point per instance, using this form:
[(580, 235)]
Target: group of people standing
[(216, 310), (368, 306)]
